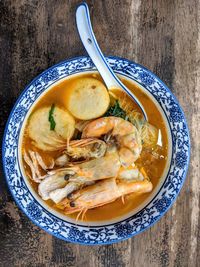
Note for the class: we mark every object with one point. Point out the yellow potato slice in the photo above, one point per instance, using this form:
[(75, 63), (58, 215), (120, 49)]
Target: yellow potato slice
[(45, 138), (87, 98)]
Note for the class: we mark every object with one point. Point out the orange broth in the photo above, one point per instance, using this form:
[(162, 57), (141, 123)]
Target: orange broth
[(154, 166)]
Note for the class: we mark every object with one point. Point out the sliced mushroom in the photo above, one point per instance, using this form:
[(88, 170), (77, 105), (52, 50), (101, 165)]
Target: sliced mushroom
[(58, 194), (51, 183)]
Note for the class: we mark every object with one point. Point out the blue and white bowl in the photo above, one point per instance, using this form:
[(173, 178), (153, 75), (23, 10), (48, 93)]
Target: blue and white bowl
[(144, 216)]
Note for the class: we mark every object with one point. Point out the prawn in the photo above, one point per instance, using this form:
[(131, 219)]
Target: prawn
[(122, 133), (101, 193)]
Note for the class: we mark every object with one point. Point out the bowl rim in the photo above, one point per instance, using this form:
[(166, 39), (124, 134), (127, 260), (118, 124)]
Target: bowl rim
[(79, 71)]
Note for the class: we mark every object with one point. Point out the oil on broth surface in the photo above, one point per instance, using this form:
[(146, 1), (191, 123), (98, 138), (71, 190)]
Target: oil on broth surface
[(154, 166)]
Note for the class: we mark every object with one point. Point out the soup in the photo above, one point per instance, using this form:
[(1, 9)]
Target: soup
[(89, 153)]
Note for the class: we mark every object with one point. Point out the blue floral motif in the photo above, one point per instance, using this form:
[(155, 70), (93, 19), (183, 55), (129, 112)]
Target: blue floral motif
[(146, 78), (181, 159), (50, 76), (123, 230), (38, 85), (162, 204), (75, 234), (19, 113), (34, 211), (176, 114), (127, 227), (10, 161)]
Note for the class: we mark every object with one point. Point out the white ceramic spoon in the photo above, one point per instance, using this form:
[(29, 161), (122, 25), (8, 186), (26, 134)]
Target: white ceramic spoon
[(90, 43)]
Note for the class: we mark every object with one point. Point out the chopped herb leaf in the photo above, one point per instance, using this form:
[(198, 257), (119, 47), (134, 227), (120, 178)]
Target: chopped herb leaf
[(51, 118), (116, 111)]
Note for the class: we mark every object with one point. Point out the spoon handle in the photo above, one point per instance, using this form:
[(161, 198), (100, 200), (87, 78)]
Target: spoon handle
[(89, 41)]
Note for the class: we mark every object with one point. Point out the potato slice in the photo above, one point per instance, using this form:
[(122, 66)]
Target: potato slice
[(87, 98), (45, 138)]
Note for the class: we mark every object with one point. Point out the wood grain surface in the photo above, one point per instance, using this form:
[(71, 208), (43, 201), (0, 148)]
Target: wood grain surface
[(164, 36)]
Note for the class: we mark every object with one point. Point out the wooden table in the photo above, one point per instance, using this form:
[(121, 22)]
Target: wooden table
[(162, 35)]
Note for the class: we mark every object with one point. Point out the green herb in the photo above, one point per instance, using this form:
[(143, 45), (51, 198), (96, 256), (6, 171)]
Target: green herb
[(116, 111), (51, 118)]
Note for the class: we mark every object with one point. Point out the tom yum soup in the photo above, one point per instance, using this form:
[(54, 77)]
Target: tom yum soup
[(89, 153)]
